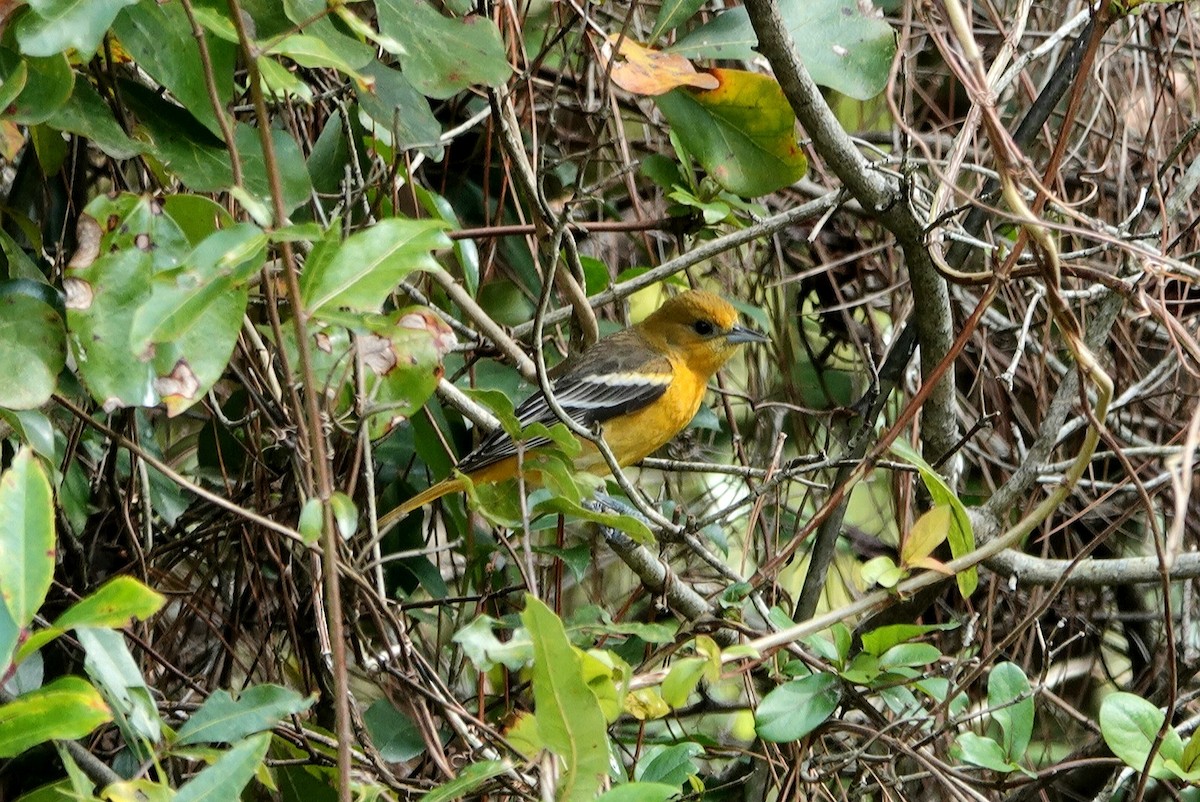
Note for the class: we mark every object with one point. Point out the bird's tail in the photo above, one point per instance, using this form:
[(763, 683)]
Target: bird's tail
[(389, 519)]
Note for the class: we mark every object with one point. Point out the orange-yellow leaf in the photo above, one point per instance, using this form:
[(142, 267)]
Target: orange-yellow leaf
[(931, 564), (929, 531), (646, 71)]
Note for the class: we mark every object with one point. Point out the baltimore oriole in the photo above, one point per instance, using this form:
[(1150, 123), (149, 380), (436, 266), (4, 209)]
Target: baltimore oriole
[(642, 385)]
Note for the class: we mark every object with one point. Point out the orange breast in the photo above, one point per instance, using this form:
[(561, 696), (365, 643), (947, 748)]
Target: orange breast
[(631, 437), (638, 435)]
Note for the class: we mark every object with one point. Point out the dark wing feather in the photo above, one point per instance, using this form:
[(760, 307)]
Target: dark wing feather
[(620, 378)]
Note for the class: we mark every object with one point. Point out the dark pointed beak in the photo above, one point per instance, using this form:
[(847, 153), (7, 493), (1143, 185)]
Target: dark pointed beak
[(741, 334)]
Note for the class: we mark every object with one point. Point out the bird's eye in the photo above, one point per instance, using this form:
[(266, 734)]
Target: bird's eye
[(703, 327)]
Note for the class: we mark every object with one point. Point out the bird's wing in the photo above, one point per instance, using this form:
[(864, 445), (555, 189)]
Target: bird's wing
[(604, 383)]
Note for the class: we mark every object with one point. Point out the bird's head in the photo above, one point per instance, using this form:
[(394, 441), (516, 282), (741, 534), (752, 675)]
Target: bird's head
[(700, 327)]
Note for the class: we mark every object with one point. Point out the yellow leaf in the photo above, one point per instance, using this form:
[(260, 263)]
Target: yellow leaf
[(645, 71), (926, 534), (646, 703)]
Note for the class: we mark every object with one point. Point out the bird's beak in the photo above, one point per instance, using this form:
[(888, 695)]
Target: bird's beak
[(741, 334)]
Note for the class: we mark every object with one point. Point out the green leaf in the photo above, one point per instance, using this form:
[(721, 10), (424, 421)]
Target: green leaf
[(562, 485), (468, 780), (882, 571), (1130, 726), (363, 270), (223, 719), (12, 84), (792, 711), (825, 648), (683, 677), (33, 344), (909, 654), (440, 55), (465, 250), (961, 535), (138, 241), (879, 640), (20, 265), (137, 222), (159, 38), (863, 669), (294, 179), (312, 52), (49, 146), (670, 765), (395, 113), (607, 675), (577, 558), (214, 18), (115, 672), (85, 113), (74, 496), (331, 156), (402, 353), (1179, 771), (569, 719), (67, 708), (980, 751), (1006, 685), (196, 215), (175, 137), (53, 26), (658, 633), (47, 83), (345, 514), (842, 47), (225, 779), (180, 298), (201, 161), (645, 704), (312, 521), (32, 427), (10, 635), (633, 526), (672, 14), (297, 232), (77, 780), (112, 605), (640, 792), (1191, 752), (187, 367), (743, 132), (26, 537), (101, 302), (122, 299), (281, 83), (394, 734), (481, 646), (313, 14)]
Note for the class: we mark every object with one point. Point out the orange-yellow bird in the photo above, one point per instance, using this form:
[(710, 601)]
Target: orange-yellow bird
[(642, 385)]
